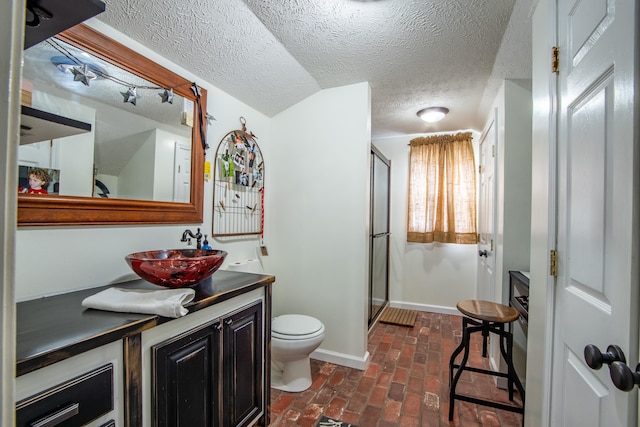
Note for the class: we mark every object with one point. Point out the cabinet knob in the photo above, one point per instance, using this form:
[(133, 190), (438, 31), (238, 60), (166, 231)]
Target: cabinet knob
[(623, 377), (229, 322), (595, 358), (219, 326)]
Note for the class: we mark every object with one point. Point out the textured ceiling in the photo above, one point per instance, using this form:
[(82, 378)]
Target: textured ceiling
[(413, 53)]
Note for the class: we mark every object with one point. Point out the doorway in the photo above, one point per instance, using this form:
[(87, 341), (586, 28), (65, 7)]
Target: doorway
[(379, 235), (486, 217)]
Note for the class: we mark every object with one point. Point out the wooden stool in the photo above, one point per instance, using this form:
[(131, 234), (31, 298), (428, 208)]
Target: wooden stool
[(490, 317)]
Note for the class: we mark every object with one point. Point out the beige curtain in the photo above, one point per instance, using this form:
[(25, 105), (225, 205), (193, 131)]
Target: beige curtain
[(442, 190)]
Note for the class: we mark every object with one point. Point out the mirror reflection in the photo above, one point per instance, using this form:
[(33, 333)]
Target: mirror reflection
[(139, 143)]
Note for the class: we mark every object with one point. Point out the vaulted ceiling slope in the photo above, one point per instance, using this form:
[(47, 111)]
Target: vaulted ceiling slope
[(413, 53)]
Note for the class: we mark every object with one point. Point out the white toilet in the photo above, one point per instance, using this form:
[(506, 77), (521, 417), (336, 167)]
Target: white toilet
[(293, 338)]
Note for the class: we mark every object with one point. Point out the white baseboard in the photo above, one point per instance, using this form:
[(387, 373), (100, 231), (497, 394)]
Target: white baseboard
[(342, 359), (361, 363), (426, 307)]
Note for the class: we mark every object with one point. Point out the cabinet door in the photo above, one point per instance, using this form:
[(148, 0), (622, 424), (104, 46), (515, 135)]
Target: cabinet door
[(243, 366), (186, 379)]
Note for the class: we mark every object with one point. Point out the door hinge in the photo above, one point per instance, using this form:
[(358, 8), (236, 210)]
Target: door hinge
[(555, 59), (491, 245), (553, 263), (480, 169), (493, 151)]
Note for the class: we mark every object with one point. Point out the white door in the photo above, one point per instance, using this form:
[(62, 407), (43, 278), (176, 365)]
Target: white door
[(486, 209), (182, 173), (596, 297)]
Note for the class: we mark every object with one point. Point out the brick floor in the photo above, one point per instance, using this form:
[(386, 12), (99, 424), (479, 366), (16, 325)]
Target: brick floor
[(405, 385)]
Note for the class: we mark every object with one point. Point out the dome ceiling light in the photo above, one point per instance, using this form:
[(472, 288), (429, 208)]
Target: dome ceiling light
[(433, 114)]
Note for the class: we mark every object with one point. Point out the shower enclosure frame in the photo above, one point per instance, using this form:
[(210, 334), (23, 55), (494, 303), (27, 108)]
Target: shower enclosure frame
[(379, 236)]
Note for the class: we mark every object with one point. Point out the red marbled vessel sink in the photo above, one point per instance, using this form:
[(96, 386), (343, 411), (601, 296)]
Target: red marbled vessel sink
[(176, 268)]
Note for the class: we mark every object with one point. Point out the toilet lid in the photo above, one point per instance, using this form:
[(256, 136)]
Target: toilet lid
[(295, 324)]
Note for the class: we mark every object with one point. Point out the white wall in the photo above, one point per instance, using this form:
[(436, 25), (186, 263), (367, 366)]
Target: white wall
[(76, 162), (317, 216), (164, 169), (135, 181), (513, 176), (429, 277), (511, 113)]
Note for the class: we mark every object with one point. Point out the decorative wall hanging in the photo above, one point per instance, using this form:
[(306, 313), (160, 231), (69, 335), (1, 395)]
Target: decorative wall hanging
[(238, 188)]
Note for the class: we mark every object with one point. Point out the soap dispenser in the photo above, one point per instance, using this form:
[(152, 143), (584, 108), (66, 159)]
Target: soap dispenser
[(205, 244)]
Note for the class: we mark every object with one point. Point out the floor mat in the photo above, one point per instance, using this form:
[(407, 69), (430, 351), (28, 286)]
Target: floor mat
[(399, 316), (330, 422)]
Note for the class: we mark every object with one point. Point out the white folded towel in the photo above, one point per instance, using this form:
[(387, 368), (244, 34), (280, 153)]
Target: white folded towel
[(166, 302)]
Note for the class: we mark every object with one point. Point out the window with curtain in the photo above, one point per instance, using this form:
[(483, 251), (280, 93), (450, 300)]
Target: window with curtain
[(442, 190)]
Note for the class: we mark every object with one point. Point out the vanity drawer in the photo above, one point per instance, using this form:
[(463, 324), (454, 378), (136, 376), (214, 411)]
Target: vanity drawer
[(73, 403)]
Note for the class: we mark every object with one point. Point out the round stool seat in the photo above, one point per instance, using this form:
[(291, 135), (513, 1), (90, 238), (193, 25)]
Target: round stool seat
[(488, 311)]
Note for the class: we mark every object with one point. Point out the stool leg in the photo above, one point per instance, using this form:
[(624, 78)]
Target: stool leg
[(511, 371), (485, 337), (452, 388), (507, 339), (457, 351)]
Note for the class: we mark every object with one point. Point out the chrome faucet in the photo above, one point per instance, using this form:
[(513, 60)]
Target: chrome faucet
[(197, 236)]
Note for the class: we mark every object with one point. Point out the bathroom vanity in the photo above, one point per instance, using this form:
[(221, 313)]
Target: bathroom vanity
[(98, 368)]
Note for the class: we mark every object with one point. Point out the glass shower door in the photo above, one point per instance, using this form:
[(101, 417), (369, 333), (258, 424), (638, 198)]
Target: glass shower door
[(379, 237)]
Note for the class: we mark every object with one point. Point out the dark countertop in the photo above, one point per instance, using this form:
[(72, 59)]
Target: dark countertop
[(55, 328)]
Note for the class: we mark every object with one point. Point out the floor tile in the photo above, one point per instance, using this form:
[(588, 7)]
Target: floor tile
[(405, 384)]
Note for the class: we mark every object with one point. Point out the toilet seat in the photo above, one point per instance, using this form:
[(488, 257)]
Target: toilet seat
[(296, 327)]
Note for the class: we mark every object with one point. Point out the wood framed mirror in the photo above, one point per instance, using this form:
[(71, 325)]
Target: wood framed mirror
[(56, 209)]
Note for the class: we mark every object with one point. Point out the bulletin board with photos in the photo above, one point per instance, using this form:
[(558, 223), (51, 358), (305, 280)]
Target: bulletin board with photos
[(238, 193)]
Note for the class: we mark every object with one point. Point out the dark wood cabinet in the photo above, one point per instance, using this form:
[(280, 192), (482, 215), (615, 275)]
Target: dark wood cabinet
[(212, 375), (208, 368)]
